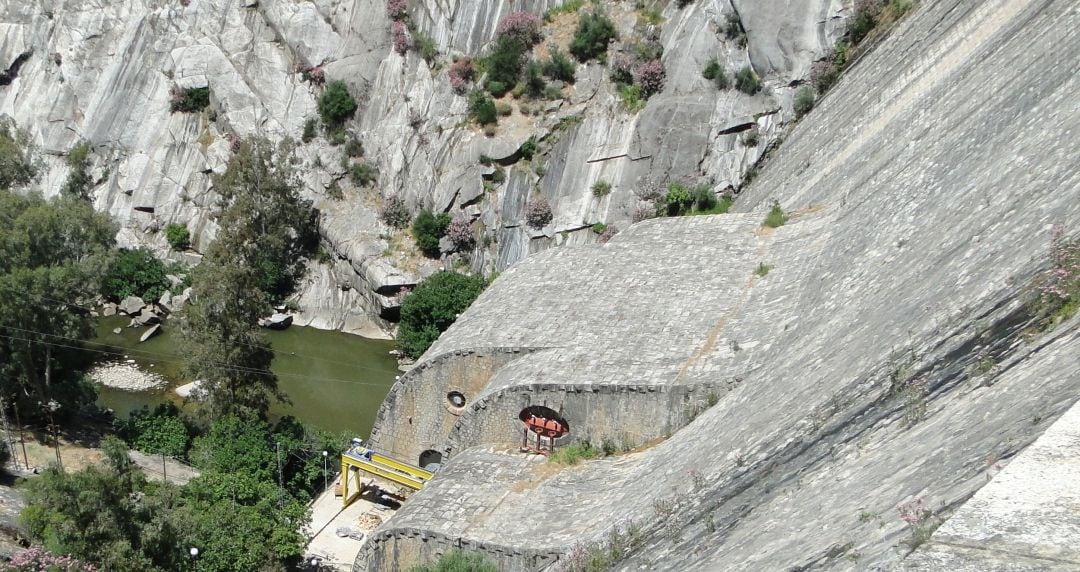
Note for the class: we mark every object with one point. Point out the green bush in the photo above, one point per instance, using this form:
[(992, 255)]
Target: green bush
[(631, 97), (776, 217), (601, 188), (704, 198), (528, 149), (762, 269), (157, 432), (363, 174), (432, 306), (574, 453), (427, 229), (747, 81), (715, 72), (504, 64), (599, 228), (190, 100), (336, 104), (594, 32), (678, 200), (135, 273), (354, 148), (178, 236), (533, 79), (458, 561), (804, 101), (559, 67), (310, 130), (482, 108), (425, 46)]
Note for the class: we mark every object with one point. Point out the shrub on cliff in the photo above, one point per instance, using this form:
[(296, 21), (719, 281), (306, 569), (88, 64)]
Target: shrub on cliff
[(336, 104), (432, 306), (747, 81), (428, 229), (179, 236), (804, 100), (594, 33), (482, 108)]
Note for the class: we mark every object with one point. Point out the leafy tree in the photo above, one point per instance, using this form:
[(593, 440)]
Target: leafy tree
[(594, 32), (336, 104), (179, 236), (267, 234), (17, 164), (265, 224), (225, 347), (534, 79), (430, 309), (78, 181), (427, 229), (109, 515), (135, 273), (161, 431), (52, 256)]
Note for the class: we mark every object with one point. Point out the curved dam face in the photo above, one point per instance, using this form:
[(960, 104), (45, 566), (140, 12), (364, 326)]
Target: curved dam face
[(849, 379)]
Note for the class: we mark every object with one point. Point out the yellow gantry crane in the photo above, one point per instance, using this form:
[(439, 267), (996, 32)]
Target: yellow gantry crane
[(367, 460)]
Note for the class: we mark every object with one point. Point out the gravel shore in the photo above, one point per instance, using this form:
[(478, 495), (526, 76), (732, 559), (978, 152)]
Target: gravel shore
[(126, 376)]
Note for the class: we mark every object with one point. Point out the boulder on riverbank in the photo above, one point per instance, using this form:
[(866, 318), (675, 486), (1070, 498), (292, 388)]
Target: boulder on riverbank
[(131, 305)]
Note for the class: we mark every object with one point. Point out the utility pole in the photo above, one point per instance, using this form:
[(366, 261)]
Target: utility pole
[(7, 431), (164, 474), (22, 441), (52, 406), (280, 476)]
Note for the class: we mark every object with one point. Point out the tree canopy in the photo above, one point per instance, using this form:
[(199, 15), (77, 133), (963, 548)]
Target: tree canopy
[(267, 234), (430, 309), (52, 256)]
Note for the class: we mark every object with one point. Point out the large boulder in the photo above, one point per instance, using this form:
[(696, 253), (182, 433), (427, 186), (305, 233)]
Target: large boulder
[(131, 305)]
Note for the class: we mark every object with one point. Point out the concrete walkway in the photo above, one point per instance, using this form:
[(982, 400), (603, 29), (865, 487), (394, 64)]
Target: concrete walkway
[(336, 552)]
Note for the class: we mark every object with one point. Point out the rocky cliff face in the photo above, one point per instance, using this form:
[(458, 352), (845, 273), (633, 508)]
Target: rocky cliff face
[(828, 391), (103, 72)]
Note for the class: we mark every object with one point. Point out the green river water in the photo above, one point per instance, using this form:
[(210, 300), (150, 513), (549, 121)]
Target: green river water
[(336, 381)]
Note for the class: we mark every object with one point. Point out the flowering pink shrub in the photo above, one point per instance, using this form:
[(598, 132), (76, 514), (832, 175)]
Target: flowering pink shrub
[(1062, 282), (394, 213), (315, 75), (400, 35), (914, 512), (234, 142), (650, 76), (397, 10), (645, 210), (462, 72), (523, 25), (538, 213), (37, 559), (460, 233), (1058, 289), (608, 233)]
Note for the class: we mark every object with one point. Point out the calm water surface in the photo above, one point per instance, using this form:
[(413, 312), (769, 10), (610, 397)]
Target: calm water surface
[(336, 381)]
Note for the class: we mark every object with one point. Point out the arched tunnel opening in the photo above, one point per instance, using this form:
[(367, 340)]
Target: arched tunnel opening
[(430, 460)]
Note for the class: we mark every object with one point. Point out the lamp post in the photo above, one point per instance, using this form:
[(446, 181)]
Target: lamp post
[(325, 481), (194, 552)]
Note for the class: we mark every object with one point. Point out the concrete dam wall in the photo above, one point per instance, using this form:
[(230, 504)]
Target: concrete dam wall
[(780, 419)]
